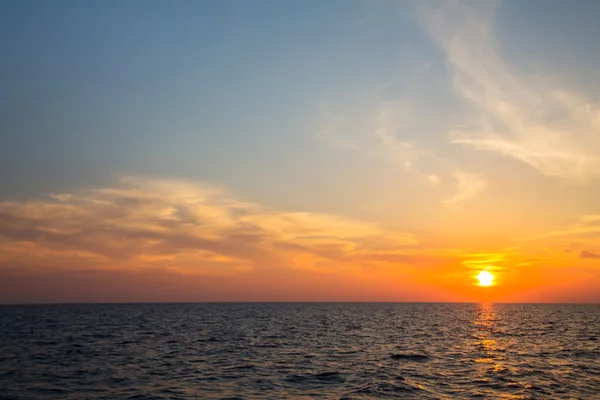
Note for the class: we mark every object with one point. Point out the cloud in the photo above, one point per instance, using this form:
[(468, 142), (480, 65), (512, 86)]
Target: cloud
[(581, 237), (181, 226), (545, 126), (377, 128), (433, 179), (382, 131), (589, 254), (587, 228), (468, 186)]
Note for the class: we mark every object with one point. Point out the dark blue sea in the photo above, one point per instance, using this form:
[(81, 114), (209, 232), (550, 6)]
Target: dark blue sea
[(288, 351)]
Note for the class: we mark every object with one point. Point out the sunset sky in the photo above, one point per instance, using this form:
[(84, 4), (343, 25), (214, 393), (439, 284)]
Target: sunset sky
[(299, 151)]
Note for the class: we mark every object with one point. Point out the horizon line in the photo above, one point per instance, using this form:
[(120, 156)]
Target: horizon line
[(289, 302)]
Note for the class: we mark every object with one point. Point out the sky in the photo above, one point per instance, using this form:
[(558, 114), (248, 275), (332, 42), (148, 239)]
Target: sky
[(262, 150)]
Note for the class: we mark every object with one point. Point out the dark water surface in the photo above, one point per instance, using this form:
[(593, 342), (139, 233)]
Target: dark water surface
[(279, 351)]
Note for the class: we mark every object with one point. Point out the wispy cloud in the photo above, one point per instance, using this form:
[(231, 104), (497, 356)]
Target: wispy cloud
[(589, 255), (183, 226), (384, 131), (588, 226), (468, 186), (379, 128), (552, 129), (581, 238), (433, 179)]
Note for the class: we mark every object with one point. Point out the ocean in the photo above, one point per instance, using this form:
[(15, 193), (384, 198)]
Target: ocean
[(300, 350)]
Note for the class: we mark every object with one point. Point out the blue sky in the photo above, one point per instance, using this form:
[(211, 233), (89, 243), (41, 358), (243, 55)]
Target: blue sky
[(199, 89), (453, 121), (225, 91)]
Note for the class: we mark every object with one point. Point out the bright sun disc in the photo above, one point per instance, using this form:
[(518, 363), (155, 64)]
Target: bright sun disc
[(485, 278)]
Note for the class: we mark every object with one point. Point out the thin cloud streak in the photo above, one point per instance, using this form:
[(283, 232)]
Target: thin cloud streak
[(185, 227), (589, 255), (382, 132), (545, 126), (379, 128), (469, 185), (587, 227)]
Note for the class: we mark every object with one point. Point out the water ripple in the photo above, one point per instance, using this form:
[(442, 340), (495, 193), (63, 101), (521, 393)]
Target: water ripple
[(324, 351)]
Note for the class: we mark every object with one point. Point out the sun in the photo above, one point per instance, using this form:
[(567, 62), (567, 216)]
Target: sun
[(485, 278)]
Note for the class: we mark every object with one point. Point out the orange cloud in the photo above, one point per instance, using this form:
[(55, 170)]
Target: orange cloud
[(185, 241), (145, 223)]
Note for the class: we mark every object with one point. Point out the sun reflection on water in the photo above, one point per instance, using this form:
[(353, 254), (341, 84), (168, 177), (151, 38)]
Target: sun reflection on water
[(485, 343)]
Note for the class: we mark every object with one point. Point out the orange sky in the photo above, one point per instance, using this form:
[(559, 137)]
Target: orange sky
[(300, 151), (165, 240)]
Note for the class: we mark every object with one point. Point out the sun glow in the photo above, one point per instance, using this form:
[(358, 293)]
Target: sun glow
[(485, 278)]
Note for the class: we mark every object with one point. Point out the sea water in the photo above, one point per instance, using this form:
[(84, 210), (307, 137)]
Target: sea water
[(294, 350)]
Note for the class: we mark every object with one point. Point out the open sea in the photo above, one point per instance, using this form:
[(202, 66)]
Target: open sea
[(295, 350)]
